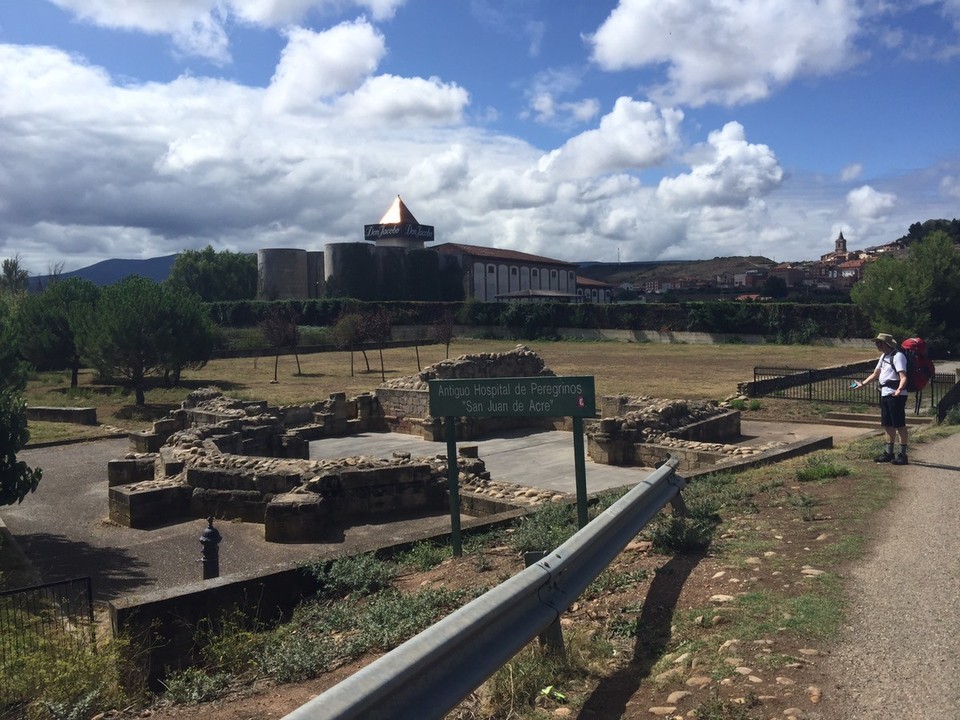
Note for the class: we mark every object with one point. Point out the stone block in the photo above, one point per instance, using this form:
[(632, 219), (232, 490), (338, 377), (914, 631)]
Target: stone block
[(75, 415), (294, 446), (276, 483), (220, 479), (146, 442), (296, 517), (124, 471), (148, 507), (246, 505), (166, 427), (169, 464), (228, 441)]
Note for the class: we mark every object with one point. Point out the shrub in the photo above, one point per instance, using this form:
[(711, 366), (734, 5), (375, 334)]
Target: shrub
[(194, 686), (353, 574)]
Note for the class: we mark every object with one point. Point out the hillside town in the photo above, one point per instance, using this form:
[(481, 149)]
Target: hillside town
[(837, 270)]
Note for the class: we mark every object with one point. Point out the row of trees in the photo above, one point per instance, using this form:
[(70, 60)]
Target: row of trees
[(132, 329)]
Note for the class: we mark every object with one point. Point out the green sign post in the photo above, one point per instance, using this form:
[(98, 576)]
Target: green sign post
[(549, 396)]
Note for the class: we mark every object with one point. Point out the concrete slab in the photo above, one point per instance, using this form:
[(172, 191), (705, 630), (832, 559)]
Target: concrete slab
[(532, 458)]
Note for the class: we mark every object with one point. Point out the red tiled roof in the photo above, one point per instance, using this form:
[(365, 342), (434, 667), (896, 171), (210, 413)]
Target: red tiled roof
[(489, 253)]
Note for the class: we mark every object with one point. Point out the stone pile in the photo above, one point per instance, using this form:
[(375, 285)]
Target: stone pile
[(519, 362), (654, 415)]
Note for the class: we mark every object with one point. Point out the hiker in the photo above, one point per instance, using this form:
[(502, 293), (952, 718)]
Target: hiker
[(891, 373)]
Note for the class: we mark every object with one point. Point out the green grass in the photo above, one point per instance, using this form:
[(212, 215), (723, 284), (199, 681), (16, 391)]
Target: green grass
[(821, 466), (423, 556)]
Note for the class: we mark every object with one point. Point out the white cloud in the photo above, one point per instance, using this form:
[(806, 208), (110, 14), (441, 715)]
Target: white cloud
[(729, 171), (399, 101), (851, 172), (867, 204), (727, 51), (168, 17), (545, 106), (92, 169), (198, 27), (633, 136), (317, 65), (950, 186), (277, 13), (547, 110)]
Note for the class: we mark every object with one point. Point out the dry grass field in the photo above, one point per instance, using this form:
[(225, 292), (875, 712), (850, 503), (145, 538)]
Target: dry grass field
[(667, 371)]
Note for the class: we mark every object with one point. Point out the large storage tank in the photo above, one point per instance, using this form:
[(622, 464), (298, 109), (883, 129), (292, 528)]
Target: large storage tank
[(282, 274)]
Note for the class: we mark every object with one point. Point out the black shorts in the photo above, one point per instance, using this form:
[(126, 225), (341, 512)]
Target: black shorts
[(893, 410)]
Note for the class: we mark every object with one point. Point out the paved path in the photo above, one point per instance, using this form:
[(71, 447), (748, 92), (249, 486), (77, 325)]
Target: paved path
[(901, 652)]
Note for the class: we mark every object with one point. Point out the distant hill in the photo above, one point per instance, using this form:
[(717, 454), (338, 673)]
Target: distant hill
[(638, 272), (107, 272)]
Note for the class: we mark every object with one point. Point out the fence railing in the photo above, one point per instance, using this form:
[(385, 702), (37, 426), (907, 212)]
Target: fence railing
[(833, 385), (57, 617), (429, 674)]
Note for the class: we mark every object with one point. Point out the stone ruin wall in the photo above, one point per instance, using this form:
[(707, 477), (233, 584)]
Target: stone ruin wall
[(206, 470), (232, 458), (406, 401), (645, 431), (229, 458)]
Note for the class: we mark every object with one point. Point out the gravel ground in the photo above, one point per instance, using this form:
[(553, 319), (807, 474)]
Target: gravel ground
[(900, 653)]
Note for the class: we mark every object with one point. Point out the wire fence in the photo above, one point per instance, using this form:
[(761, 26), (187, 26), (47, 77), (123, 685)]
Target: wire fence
[(54, 619), (833, 385)]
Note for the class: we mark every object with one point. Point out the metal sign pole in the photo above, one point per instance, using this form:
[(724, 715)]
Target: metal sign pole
[(580, 468), (453, 486)]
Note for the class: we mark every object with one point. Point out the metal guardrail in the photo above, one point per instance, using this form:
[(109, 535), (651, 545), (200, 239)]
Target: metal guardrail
[(429, 674)]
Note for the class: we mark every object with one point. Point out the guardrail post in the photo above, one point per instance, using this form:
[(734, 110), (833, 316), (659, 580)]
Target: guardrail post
[(552, 636)]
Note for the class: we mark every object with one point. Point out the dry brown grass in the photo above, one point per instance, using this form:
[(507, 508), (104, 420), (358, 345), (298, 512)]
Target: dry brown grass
[(668, 371)]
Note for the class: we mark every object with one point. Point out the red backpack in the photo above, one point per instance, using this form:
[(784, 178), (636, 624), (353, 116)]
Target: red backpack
[(919, 366)]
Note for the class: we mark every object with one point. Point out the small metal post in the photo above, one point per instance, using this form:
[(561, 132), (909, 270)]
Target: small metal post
[(453, 487), (209, 552)]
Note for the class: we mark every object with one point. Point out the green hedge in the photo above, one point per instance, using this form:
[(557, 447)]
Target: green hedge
[(782, 322)]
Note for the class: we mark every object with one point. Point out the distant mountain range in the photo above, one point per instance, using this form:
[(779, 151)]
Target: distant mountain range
[(107, 272)]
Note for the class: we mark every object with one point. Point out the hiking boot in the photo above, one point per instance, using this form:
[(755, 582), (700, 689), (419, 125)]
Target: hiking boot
[(886, 457), (900, 459)]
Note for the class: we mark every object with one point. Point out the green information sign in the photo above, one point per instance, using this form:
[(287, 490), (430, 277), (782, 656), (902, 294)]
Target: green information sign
[(514, 397)]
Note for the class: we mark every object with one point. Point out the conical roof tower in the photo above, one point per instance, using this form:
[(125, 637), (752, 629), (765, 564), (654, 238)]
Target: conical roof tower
[(398, 228)]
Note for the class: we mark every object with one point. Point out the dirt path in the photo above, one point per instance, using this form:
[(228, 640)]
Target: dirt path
[(900, 656)]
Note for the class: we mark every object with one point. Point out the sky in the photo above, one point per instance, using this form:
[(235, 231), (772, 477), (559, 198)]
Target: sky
[(581, 130)]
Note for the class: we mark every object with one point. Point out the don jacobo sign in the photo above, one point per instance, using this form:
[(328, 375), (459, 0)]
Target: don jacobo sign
[(547, 396)]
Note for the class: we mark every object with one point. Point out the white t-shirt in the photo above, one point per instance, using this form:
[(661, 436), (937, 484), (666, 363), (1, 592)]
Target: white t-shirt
[(890, 366)]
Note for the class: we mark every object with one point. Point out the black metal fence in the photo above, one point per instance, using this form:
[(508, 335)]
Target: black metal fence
[(833, 385), (55, 617)]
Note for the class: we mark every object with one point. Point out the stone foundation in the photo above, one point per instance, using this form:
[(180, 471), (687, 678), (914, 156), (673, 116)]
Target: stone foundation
[(645, 431), (76, 415)]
